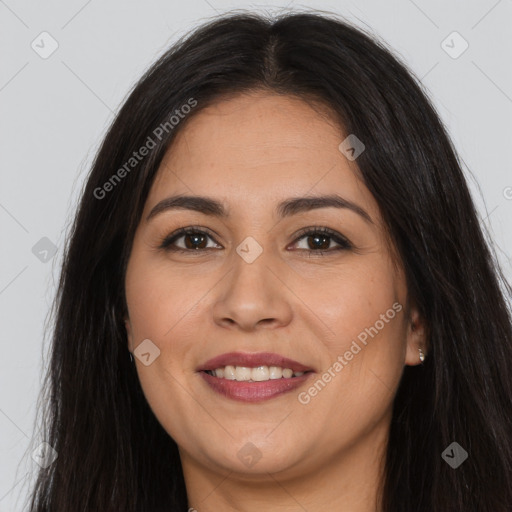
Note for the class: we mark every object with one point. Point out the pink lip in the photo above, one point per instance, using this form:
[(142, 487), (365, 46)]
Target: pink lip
[(252, 360), (253, 391)]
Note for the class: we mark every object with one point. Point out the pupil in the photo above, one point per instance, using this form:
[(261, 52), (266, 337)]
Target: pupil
[(320, 237), (195, 238)]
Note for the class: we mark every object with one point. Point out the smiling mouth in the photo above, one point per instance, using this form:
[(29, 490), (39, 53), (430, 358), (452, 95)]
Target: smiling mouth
[(253, 377)]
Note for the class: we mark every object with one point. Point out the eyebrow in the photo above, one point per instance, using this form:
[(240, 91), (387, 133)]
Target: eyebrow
[(286, 208)]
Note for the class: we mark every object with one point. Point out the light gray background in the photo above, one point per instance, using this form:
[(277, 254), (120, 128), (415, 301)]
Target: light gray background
[(54, 113)]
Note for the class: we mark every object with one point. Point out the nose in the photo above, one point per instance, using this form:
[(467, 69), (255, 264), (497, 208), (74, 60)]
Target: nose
[(253, 295)]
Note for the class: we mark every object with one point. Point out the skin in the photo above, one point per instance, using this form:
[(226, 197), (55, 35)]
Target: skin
[(251, 152)]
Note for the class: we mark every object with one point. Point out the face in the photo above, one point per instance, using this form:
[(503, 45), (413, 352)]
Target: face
[(314, 283)]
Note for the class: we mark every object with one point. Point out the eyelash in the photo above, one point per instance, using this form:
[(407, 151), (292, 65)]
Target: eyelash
[(344, 244)]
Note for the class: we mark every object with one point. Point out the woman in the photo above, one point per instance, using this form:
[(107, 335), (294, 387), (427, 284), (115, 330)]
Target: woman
[(276, 293)]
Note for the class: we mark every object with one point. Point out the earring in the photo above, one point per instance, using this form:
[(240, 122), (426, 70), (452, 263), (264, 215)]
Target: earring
[(131, 357), (422, 355)]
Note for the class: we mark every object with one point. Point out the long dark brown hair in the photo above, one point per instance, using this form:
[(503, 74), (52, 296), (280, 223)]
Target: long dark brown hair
[(113, 455)]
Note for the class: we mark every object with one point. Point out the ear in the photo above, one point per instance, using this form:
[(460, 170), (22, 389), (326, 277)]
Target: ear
[(129, 335), (416, 337)]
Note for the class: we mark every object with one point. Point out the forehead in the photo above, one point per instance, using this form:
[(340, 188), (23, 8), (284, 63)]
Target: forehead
[(256, 148)]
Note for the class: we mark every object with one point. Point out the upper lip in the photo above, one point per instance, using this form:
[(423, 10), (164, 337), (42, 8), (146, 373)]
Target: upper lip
[(252, 360)]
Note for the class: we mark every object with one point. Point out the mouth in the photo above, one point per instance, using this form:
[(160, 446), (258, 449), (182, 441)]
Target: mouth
[(253, 377)]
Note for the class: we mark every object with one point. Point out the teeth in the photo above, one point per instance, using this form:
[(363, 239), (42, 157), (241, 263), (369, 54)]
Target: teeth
[(242, 373), (229, 372), (275, 372), (287, 373), (258, 374)]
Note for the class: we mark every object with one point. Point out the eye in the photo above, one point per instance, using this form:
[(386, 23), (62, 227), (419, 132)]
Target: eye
[(317, 239), (194, 239)]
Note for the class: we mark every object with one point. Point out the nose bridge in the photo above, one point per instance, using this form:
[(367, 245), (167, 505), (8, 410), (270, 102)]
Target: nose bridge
[(251, 291), (252, 260)]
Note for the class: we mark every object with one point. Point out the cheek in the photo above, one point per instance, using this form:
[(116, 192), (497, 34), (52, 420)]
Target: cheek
[(156, 303), (356, 302), (361, 313), (157, 298), (364, 362), (161, 307)]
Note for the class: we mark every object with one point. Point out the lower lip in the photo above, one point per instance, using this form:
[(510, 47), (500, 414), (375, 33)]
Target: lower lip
[(254, 391)]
